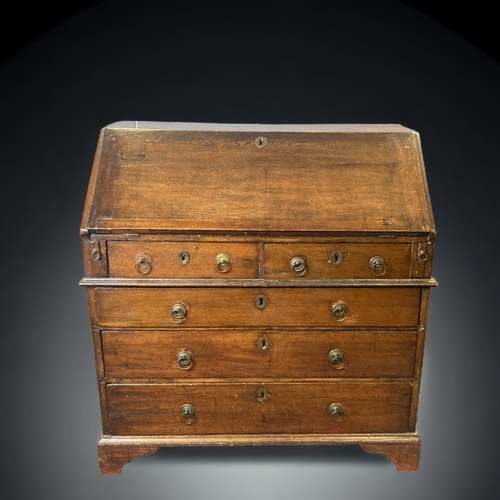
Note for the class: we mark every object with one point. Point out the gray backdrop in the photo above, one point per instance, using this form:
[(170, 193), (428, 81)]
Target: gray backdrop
[(256, 63)]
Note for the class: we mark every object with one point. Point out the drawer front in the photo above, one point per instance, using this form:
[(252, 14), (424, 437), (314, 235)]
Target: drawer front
[(336, 260), (155, 409), (279, 307), (229, 354), (182, 260)]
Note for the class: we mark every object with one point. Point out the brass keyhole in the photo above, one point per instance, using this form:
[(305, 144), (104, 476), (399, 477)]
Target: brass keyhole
[(262, 395), (261, 301), (183, 258), (261, 142), (336, 258), (264, 344)]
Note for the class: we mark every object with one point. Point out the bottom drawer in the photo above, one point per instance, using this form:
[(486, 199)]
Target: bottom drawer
[(249, 408)]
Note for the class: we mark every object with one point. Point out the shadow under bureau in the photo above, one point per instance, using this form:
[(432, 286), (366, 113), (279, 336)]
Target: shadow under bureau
[(258, 285)]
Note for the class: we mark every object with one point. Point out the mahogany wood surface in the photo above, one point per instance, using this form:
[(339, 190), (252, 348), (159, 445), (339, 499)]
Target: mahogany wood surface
[(354, 263), (223, 408), (230, 354), (123, 257), (150, 307)]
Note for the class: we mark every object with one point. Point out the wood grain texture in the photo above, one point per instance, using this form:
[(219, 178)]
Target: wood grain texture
[(113, 457), (405, 457), (229, 354), (146, 307), (224, 408), (123, 257), (355, 261), (329, 181)]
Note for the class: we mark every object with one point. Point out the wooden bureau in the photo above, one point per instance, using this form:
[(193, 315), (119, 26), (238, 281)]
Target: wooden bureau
[(258, 284)]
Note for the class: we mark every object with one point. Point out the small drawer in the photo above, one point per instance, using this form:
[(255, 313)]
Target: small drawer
[(229, 354), (336, 260), (258, 408), (256, 307), (182, 260)]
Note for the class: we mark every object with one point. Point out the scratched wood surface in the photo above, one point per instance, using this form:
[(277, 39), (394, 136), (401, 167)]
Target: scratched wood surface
[(225, 408)]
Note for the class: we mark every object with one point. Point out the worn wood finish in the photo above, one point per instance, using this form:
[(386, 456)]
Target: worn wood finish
[(406, 457), (123, 257), (229, 354), (145, 307), (111, 462), (154, 409), (354, 263), (261, 194)]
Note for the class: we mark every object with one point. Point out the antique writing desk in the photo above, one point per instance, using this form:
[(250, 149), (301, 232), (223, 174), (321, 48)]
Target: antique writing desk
[(258, 284)]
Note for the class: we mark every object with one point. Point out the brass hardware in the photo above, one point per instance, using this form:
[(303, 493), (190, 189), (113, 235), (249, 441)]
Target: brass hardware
[(184, 360), (422, 256), (187, 414), (262, 395), (336, 258), (143, 265), (336, 412), (178, 312), (95, 254), (261, 142), (95, 250), (183, 258), (339, 311), (261, 301), (222, 262), (264, 344), (377, 265), (298, 266), (336, 358)]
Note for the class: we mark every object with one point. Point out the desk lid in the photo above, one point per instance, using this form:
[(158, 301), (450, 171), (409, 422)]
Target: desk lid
[(196, 177)]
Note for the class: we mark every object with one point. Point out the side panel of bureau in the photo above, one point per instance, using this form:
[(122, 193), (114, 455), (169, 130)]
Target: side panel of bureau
[(130, 355), (291, 307), (292, 407)]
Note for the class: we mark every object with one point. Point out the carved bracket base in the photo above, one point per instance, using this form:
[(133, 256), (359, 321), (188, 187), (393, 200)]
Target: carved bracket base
[(113, 457), (405, 456)]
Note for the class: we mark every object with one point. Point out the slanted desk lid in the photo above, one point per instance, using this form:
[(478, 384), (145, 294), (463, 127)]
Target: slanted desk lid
[(283, 178)]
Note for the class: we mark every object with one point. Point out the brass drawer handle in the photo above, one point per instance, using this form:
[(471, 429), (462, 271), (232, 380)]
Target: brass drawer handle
[(339, 311), (178, 312), (223, 263), (298, 266), (143, 265), (336, 412), (184, 360), (336, 358), (377, 265), (187, 414)]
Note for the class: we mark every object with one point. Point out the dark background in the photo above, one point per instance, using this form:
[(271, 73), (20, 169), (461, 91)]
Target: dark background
[(255, 62)]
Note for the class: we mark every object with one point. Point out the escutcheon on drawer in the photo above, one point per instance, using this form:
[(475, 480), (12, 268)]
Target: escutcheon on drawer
[(182, 260), (262, 307), (249, 408), (229, 354), (336, 260)]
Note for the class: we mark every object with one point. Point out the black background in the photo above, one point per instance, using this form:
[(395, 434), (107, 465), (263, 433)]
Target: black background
[(255, 62)]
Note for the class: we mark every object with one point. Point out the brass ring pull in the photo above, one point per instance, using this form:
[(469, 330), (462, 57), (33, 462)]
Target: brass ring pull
[(143, 265), (336, 412), (339, 311), (187, 414), (336, 358), (184, 360), (377, 265), (223, 263), (178, 312), (298, 266), (422, 256)]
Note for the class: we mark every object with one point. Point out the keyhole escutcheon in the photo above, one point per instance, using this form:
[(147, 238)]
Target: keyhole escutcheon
[(261, 301), (261, 142), (262, 395)]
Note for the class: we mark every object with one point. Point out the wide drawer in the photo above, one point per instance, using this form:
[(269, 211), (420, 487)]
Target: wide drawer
[(182, 260), (266, 307), (155, 409), (230, 354), (336, 260)]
